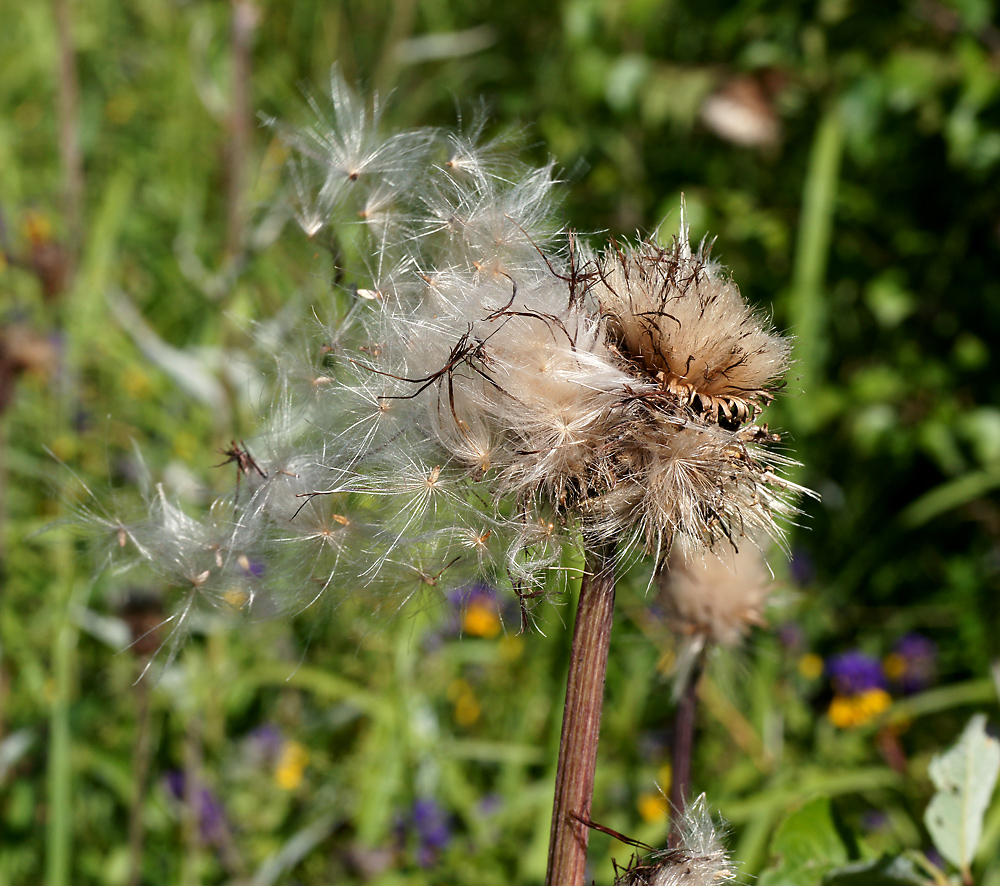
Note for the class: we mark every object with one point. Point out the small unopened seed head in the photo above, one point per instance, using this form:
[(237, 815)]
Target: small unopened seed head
[(716, 599), (699, 860), (713, 600)]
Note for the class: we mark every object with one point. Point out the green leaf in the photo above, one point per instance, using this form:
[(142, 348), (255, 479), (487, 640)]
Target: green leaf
[(950, 495), (294, 850), (965, 777), (808, 846), (884, 871)]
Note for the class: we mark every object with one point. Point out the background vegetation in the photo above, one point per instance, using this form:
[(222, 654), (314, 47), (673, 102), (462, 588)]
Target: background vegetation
[(144, 228)]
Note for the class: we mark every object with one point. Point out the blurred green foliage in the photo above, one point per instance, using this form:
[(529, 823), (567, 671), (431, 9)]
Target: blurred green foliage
[(865, 214)]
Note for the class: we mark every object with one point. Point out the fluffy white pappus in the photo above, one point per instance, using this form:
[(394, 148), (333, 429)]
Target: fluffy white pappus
[(342, 157), (423, 496), (114, 525), (699, 859), (491, 225), (469, 154), (199, 563)]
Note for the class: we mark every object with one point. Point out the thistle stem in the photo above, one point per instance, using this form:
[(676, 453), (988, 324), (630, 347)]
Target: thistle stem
[(683, 744), (588, 666)]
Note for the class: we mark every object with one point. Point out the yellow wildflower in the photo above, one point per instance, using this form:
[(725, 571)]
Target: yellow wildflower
[(291, 766), (467, 707), (236, 597), (136, 383), (653, 807), (481, 619), (894, 666), (811, 666), (848, 711)]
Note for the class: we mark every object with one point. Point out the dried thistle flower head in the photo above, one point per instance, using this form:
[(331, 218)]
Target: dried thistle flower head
[(716, 600), (699, 860), (713, 601), (495, 390), (675, 318)]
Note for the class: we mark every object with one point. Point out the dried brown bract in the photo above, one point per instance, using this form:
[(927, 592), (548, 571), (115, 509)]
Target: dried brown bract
[(677, 321)]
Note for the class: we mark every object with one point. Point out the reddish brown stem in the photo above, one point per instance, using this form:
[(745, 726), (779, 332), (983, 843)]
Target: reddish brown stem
[(581, 727), (889, 744), (683, 745)]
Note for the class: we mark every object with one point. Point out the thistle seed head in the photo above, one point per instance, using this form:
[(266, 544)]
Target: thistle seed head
[(699, 860), (680, 324), (716, 600), (496, 389)]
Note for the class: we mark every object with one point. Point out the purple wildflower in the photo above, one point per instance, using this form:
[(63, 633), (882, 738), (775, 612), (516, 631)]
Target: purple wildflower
[(430, 822), (935, 858), (252, 568), (476, 593), (855, 672), (490, 804), (912, 665), (792, 636), (801, 566), (212, 825), (264, 743), (873, 820)]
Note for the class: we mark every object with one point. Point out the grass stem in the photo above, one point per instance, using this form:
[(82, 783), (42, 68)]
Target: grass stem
[(807, 308), (59, 786), (141, 760)]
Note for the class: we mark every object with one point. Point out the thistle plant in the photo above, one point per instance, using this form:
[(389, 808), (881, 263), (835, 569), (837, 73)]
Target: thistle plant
[(496, 393)]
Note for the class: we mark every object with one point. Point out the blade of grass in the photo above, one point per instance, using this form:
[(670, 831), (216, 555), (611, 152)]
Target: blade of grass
[(806, 306), (68, 113), (59, 781), (950, 495)]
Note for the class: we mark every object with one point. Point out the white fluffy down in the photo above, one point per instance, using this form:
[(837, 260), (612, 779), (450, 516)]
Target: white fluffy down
[(496, 390)]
